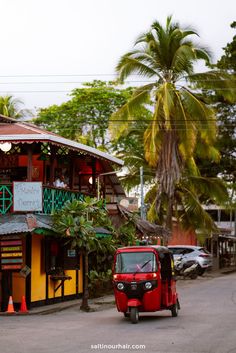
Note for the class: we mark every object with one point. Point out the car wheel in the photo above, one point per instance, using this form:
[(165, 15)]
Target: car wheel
[(134, 315), (200, 270), (194, 275)]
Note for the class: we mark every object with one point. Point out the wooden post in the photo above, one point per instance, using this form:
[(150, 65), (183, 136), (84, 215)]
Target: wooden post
[(72, 172), (30, 163), (52, 165)]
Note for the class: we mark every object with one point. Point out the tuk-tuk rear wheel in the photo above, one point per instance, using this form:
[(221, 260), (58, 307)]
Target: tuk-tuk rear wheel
[(126, 314), (134, 315), (175, 309)]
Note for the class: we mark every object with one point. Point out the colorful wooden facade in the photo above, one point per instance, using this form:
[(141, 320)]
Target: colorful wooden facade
[(33, 263)]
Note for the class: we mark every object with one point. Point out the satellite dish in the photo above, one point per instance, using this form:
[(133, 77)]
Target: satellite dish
[(124, 203)]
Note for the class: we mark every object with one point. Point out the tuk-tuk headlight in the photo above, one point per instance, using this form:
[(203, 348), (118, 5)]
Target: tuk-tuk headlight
[(120, 286), (148, 285)]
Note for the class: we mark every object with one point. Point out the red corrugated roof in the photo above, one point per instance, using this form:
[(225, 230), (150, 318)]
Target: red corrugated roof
[(16, 129), (10, 126), (22, 132)]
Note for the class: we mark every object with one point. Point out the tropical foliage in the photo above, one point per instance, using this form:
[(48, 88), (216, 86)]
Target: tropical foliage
[(191, 194), (183, 124), (126, 233), (226, 112), (11, 107), (77, 221)]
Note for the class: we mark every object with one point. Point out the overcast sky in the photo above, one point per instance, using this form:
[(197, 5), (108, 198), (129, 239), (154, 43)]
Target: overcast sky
[(81, 40)]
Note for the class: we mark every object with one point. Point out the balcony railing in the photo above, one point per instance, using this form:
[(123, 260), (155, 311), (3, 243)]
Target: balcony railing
[(53, 198)]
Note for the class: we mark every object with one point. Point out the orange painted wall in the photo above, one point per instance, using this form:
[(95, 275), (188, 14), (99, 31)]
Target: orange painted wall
[(182, 237), (18, 287)]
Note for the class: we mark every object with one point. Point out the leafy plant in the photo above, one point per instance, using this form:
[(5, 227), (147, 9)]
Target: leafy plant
[(77, 221), (100, 282)]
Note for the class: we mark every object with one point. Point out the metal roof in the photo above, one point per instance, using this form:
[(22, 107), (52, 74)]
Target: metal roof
[(19, 223), (143, 225), (61, 141)]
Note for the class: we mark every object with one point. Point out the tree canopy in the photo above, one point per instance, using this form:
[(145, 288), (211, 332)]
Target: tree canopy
[(226, 126), (85, 116)]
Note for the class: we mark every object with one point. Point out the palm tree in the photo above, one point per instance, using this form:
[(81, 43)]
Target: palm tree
[(76, 221), (190, 196), (10, 106), (181, 118)]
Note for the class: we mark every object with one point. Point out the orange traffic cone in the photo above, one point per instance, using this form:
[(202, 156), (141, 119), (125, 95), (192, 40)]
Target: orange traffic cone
[(23, 307), (10, 308)]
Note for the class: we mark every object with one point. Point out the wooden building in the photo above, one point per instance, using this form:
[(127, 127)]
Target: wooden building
[(32, 262)]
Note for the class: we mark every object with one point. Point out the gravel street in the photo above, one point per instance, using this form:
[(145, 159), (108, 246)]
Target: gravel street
[(206, 324)]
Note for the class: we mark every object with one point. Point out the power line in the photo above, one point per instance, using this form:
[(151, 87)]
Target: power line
[(68, 91), (70, 82), (62, 75), (178, 123), (103, 74)]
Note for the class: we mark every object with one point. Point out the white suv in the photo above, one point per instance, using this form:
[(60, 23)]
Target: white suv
[(197, 253)]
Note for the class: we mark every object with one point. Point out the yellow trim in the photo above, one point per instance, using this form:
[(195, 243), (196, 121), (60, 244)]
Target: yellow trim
[(81, 275)]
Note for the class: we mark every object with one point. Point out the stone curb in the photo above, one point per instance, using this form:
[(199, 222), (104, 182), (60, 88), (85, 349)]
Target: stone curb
[(96, 304)]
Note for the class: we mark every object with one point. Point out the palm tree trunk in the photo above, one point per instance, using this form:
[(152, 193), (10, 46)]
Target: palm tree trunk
[(169, 215), (85, 306), (168, 174)]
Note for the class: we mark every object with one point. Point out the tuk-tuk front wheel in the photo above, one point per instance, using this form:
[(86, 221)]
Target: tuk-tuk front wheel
[(134, 315)]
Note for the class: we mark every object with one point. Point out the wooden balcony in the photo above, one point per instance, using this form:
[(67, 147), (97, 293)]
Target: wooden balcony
[(53, 198)]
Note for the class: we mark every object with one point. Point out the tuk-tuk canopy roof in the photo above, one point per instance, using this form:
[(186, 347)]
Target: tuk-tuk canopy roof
[(158, 248)]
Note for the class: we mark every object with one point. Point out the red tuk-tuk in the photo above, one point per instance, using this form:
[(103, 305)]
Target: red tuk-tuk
[(143, 280)]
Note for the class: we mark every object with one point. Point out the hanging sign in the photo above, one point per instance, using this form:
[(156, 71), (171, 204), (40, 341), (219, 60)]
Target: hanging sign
[(11, 256), (25, 271), (27, 196)]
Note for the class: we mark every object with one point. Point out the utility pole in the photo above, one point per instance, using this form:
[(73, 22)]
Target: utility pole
[(235, 222), (142, 208)]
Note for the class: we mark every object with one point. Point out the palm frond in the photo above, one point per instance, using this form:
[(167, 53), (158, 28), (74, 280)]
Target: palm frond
[(153, 136), (193, 214), (220, 81), (202, 116), (120, 119), (191, 167), (185, 128), (210, 189), (205, 151), (183, 60), (129, 64)]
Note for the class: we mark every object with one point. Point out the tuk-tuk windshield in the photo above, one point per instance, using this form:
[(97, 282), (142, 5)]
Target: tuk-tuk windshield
[(130, 262)]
